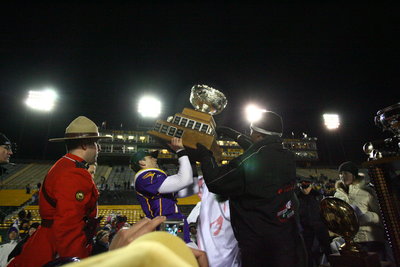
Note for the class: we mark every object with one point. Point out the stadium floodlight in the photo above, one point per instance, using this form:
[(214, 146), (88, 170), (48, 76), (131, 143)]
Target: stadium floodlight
[(253, 113), (41, 100), (149, 107), (331, 121)]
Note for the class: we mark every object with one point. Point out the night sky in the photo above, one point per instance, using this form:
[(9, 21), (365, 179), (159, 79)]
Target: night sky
[(299, 60)]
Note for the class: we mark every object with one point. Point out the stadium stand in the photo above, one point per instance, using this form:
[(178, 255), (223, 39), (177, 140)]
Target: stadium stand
[(14, 197), (317, 172), (120, 176), (133, 212), (18, 178), (102, 171)]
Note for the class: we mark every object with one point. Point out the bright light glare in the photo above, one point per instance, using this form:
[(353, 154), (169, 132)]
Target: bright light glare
[(149, 107), (331, 121), (41, 100), (253, 113)]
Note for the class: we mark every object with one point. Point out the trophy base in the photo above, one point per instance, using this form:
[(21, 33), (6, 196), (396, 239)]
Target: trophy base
[(190, 137)]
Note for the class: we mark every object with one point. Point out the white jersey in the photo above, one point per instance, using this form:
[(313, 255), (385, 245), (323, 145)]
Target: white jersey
[(214, 230)]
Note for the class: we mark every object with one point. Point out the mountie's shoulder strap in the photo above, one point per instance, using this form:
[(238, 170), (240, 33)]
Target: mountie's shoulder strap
[(50, 200)]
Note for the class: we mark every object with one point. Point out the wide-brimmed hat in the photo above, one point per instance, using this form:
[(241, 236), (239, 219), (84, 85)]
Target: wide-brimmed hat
[(80, 128)]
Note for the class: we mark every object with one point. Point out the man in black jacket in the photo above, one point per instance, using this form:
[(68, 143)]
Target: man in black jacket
[(260, 185), (311, 222)]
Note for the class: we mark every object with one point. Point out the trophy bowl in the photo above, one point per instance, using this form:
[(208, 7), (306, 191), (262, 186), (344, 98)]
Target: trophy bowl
[(207, 99), (341, 219)]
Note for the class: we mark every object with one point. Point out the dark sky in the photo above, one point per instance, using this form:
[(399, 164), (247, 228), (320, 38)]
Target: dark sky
[(299, 60)]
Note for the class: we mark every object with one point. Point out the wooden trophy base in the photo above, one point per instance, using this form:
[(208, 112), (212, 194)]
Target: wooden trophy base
[(193, 127)]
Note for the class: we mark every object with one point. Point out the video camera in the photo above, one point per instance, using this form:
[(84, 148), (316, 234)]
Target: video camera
[(174, 227)]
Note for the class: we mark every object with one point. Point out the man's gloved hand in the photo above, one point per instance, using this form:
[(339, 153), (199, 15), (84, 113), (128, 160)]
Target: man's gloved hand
[(362, 218), (357, 210)]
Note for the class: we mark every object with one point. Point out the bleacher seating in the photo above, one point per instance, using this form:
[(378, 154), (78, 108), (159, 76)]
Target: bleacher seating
[(11, 169), (316, 172), (31, 174), (14, 197), (101, 171), (120, 175), (133, 212)]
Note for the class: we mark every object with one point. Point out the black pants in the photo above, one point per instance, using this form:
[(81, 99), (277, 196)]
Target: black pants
[(283, 253), (320, 233)]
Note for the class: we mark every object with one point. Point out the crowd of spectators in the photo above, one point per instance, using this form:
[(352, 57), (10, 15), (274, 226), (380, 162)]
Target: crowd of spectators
[(18, 233), (324, 185)]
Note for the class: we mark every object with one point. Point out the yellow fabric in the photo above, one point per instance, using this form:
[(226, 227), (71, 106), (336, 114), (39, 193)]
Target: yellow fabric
[(152, 249)]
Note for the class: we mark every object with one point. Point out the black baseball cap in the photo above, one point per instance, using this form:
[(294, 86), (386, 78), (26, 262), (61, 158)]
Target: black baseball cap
[(270, 124), (349, 167), (4, 141)]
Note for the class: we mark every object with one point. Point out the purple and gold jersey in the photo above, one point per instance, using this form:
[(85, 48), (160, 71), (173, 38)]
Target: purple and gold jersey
[(146, 183)]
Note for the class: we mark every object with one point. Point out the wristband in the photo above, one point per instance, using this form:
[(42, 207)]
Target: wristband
[(181, 152)]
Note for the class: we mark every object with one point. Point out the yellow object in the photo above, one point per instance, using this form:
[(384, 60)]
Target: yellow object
[(149, 250)]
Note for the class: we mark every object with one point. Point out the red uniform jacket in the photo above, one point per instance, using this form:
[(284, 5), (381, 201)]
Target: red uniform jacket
[(76, 195)]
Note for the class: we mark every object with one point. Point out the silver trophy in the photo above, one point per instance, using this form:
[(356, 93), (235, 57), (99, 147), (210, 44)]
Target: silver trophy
[(195, 126), (207, 99), (388, 119)]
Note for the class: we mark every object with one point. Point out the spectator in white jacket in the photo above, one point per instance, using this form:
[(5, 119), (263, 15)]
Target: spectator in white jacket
[(5, 249), (353, 189)]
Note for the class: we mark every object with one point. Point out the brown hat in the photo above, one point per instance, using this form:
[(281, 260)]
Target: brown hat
[(80, 128)]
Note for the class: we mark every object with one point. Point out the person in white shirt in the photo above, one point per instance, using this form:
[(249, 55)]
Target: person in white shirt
[(214, 231)]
